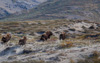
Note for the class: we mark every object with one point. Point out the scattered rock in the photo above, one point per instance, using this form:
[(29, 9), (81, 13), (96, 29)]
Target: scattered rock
[(54, 59), (11, 58), (26, 51), (91, 27), (41, 32), (71, 29)]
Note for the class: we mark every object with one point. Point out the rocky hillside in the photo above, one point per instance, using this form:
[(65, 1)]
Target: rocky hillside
[(63, 9), (16, 6)]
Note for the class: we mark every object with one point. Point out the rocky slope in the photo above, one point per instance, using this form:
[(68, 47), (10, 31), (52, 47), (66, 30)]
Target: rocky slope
[(16, 6), (63, 9)]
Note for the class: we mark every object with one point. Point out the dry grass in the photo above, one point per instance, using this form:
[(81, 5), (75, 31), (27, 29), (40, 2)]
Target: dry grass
[(72, 61), (95, 54), (90, 36), (65, 44), (94, 58), (29, 61), (30, 26)]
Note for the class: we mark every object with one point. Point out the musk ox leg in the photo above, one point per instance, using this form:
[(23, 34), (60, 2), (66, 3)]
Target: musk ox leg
[(60, 37), (41, 39)]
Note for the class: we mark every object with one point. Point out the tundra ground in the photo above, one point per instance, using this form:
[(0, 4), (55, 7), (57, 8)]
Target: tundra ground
[(83, 37)]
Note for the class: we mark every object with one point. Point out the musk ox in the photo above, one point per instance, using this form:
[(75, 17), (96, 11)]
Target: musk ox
[(62, 36), (6, 38), (46, 36), (23, 41)]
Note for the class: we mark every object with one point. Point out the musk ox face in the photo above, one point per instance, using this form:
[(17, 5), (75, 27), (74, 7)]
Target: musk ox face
[(24, 38), (49, 34), (6, 38), (23, 41)]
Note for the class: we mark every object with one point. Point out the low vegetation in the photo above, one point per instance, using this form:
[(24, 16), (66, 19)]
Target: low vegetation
[(66, 44), (34, 29), (29, 61), (93, 58)]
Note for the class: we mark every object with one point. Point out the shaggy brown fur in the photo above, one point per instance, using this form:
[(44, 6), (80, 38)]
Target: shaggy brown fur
[(6, 38), (44, 37), (49, 34), (23, 41), (62, 36)]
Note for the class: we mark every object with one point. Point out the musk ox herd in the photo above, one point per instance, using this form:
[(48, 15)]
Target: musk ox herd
[(22, 41)]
